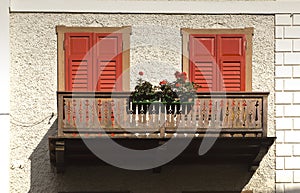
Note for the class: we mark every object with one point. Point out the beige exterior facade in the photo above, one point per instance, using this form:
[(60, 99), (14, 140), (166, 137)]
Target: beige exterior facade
[(155, 46)]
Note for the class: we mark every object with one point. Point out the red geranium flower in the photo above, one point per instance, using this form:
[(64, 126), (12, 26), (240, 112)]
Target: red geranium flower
[(183, 76), (177, 85), (141, 73), (163, 82)]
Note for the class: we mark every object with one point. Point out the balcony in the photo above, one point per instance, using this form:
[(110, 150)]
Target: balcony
[(238, 120)]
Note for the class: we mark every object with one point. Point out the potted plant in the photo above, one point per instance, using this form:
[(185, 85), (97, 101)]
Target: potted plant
[(174, 94)]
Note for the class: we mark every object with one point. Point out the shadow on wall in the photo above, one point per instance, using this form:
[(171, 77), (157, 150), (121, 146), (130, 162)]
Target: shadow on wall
[(172, 179)]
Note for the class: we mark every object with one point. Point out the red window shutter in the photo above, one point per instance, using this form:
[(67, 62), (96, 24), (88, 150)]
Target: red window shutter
[(78, 61), (231, 56), (203, 68), (217, 61), (108, 62)]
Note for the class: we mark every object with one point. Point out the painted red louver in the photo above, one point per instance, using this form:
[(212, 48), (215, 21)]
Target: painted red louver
[(108, 60), (203, 61), (232, 62), (78, 60), (217, 62), (93, 61)]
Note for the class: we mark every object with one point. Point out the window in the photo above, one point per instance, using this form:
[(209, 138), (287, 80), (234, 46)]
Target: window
[(93, 59), (218, 59)]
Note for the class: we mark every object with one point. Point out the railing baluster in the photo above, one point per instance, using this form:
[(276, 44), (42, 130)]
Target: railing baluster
[(251, 114), (131, 114), (214, 117), (172, 115), (182, 116), (221, 113), (100, 113), (147, 116), (134, 116), (155, 112), (73, 114), (259, 114), (110, 114), (205, 114), (67, 112), (76, 113), (103, 113), (188, 117), (178, 115), (92, 113), (168, 116), (194, 114), (200, 118), (150, 116)]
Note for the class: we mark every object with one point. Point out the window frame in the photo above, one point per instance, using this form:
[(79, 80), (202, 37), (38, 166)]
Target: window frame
[(61, 71), (186, 32)]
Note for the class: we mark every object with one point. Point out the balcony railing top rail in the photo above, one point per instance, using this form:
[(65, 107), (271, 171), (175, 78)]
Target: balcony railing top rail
[(96, 114)]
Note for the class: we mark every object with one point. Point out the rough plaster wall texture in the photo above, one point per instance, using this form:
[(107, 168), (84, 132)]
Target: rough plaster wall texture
[(155, 49)]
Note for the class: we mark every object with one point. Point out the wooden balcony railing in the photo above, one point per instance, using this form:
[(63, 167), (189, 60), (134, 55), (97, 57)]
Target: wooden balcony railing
[(92, 113)]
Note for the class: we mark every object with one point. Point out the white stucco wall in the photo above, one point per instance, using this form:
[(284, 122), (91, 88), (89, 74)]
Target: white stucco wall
[(4, 97), (155, 49), (159, 6)]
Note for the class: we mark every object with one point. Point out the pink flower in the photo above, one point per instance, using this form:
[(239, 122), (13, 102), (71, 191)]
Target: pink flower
[(141, 73), (177, 85), (177, 74)]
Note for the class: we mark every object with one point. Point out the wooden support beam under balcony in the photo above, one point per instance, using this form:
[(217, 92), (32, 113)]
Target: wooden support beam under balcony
[(237, 120)]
